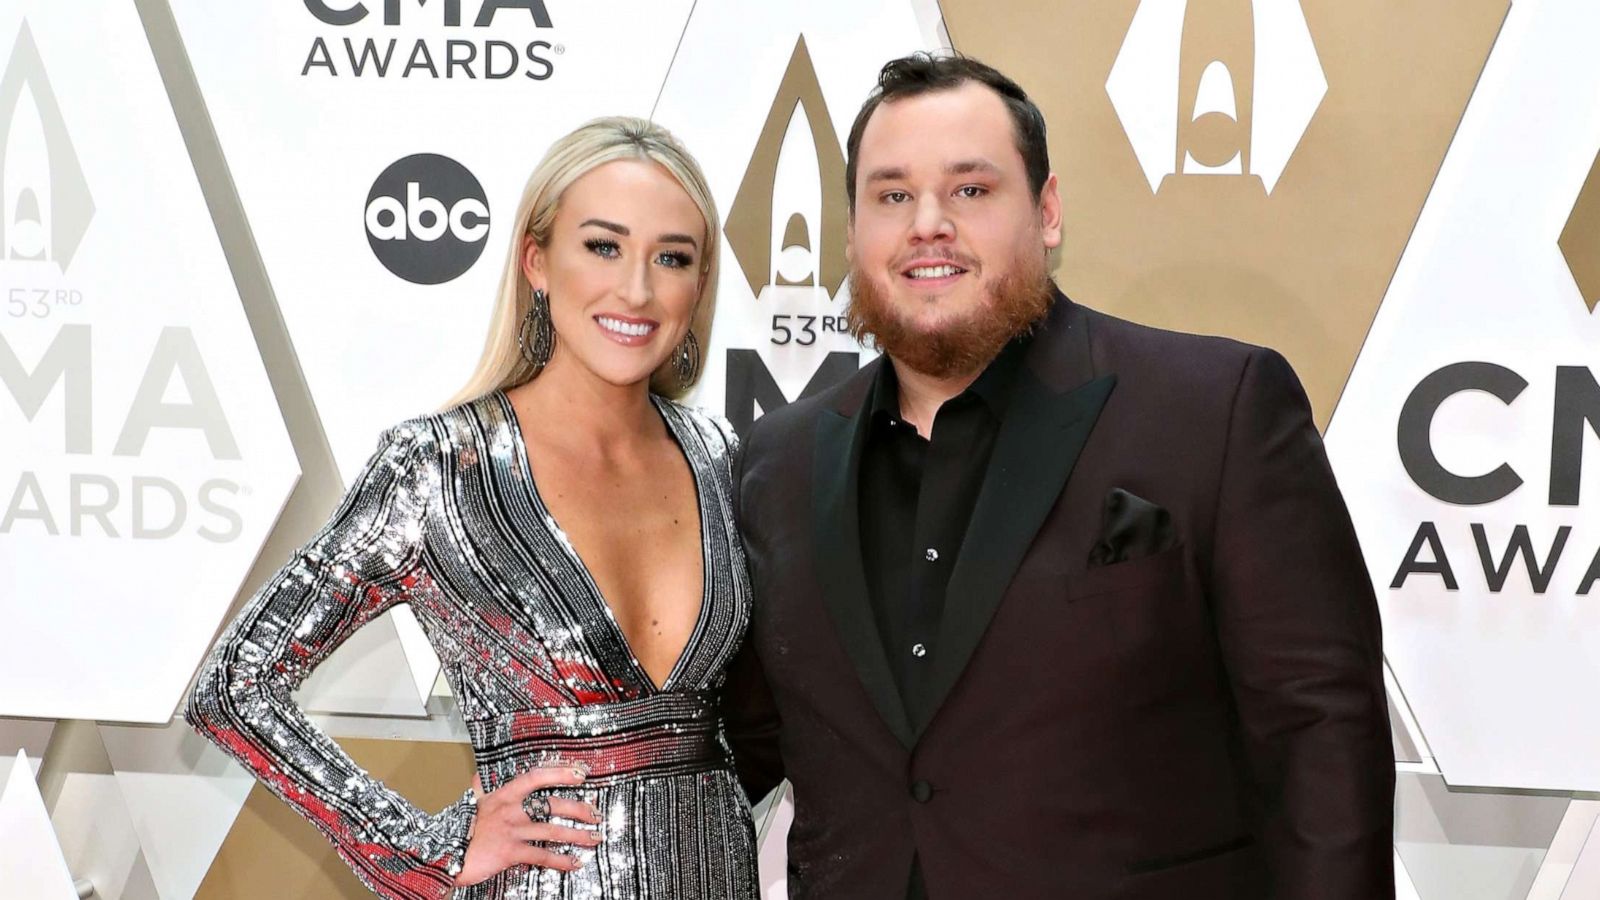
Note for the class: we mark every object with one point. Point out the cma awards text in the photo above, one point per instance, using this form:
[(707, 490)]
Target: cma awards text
[(1575, 413), (456, 58), (131, 493)]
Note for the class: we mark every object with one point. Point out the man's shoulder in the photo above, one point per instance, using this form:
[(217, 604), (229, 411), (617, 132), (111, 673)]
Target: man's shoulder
[(1182, 360), (782, 427), (1127, 336)]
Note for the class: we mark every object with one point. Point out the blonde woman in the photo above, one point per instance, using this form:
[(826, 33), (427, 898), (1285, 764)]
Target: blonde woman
[(565, 535)]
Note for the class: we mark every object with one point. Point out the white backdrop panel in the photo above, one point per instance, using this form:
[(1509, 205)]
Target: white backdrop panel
[(740, 67), (306, 149), (142, 457), (1501, 680)]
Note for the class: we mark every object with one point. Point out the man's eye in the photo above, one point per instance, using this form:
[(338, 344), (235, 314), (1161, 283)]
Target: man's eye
[(972, 190), (603, 247), (896, 197)]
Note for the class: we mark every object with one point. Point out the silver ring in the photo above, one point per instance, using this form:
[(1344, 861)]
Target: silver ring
[(536, 808)]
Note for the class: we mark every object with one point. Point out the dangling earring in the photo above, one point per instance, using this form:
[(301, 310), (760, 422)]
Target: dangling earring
[(686, 360), (536, 338)]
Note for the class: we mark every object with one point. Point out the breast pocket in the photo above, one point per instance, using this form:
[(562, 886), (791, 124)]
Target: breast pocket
[(1152, 622), (1145, 573)]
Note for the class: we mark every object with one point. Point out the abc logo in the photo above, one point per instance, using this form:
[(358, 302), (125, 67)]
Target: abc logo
[(427, 218)]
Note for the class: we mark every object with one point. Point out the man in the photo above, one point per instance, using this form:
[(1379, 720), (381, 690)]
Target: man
[(1049, 604)]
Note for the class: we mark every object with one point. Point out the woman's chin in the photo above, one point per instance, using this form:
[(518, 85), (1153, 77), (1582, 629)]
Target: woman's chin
[(624, 376)]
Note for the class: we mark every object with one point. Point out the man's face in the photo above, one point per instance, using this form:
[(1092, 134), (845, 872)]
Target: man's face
[(945, 226)]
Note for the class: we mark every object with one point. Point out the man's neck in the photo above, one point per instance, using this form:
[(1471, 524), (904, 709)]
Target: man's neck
[(921, 395)]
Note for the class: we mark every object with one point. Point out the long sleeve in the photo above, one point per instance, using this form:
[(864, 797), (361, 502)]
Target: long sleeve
[(362, 562), (1299, 631), (749, 712)]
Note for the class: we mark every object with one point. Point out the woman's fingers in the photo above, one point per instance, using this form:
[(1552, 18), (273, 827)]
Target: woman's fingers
[(547, 777), (548, 859), (576, 810), (550, 833), (504, 835)]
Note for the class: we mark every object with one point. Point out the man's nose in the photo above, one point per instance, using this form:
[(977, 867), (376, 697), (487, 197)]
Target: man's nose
[(931, 223)]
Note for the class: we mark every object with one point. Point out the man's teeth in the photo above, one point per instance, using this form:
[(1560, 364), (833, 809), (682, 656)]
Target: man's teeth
[(934, 271), (632, 329)]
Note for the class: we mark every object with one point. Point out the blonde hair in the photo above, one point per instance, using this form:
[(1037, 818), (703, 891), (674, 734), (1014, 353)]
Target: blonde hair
[(568, 159)]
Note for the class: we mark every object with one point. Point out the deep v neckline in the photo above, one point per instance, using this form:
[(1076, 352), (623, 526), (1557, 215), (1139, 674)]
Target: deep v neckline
[(548, 519)]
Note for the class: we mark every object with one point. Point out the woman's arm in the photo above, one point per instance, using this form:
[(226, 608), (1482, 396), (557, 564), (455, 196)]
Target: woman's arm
[(363, 561)]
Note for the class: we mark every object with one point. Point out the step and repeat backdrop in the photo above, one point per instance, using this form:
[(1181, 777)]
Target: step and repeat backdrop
[(239, 240)]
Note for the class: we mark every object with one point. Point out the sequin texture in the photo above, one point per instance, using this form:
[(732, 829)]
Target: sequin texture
[(445, 517)]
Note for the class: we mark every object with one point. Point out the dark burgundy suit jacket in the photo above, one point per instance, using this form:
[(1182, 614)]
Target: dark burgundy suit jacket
[(1204, 722)]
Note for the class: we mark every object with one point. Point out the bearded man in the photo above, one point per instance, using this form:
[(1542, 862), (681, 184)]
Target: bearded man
[(1048, 604)]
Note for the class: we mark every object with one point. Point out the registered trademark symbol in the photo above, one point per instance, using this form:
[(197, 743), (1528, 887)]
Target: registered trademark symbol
[(560, 49)]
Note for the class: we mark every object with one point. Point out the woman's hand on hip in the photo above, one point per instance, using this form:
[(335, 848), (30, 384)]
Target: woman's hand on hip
[(506, 830)]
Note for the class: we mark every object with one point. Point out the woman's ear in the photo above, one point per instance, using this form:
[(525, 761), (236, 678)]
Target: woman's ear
[(533, 263)]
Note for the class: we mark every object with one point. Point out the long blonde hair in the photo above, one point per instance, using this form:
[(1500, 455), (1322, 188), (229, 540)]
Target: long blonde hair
[(568, 159)]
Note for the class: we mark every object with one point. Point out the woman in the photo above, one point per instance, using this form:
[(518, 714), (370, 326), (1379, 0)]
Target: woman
[(584, 655)]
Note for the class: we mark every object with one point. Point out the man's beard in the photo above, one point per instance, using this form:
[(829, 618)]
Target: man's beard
[(1017, 301)]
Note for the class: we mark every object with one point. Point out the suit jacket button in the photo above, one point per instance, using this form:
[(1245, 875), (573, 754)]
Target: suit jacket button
[(922, 792)]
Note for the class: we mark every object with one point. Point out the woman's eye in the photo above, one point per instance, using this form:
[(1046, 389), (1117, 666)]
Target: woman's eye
[(603, 247), (675, 260)]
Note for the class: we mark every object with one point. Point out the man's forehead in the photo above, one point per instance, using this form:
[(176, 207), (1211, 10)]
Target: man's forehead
[(941, 130)]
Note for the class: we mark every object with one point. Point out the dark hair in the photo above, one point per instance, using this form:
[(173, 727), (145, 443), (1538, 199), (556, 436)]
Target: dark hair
[(922, 73)]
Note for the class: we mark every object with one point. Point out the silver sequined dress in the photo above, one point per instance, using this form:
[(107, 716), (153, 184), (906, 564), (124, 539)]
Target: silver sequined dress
[(445, 517)]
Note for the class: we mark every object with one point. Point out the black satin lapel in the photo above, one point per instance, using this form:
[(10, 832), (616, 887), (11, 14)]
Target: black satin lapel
[(840, 570), (1040, 441)]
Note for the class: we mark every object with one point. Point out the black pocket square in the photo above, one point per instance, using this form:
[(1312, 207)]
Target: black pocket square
[(1131, 527)]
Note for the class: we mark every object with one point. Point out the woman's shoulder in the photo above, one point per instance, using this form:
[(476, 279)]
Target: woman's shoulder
[(488, 407), (714, 429), (424, 434)]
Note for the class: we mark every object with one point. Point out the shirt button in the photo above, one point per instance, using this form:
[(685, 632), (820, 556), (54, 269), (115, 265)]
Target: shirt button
[(918, 650), (932, 555), (922, 792)]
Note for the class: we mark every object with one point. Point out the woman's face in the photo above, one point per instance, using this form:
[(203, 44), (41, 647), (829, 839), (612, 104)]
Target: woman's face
[(622, 269)]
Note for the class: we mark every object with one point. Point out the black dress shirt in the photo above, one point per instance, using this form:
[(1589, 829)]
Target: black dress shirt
[(916, 496)]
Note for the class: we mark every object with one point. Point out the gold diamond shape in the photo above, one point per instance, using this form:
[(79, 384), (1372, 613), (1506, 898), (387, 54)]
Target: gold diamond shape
[(1580, 239)]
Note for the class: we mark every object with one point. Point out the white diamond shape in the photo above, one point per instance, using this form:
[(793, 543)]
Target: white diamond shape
[(1289, 85), (30, 857), (162, 401), (1490, 676)]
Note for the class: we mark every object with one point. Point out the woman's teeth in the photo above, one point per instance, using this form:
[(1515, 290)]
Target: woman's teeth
[(631, 329)]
